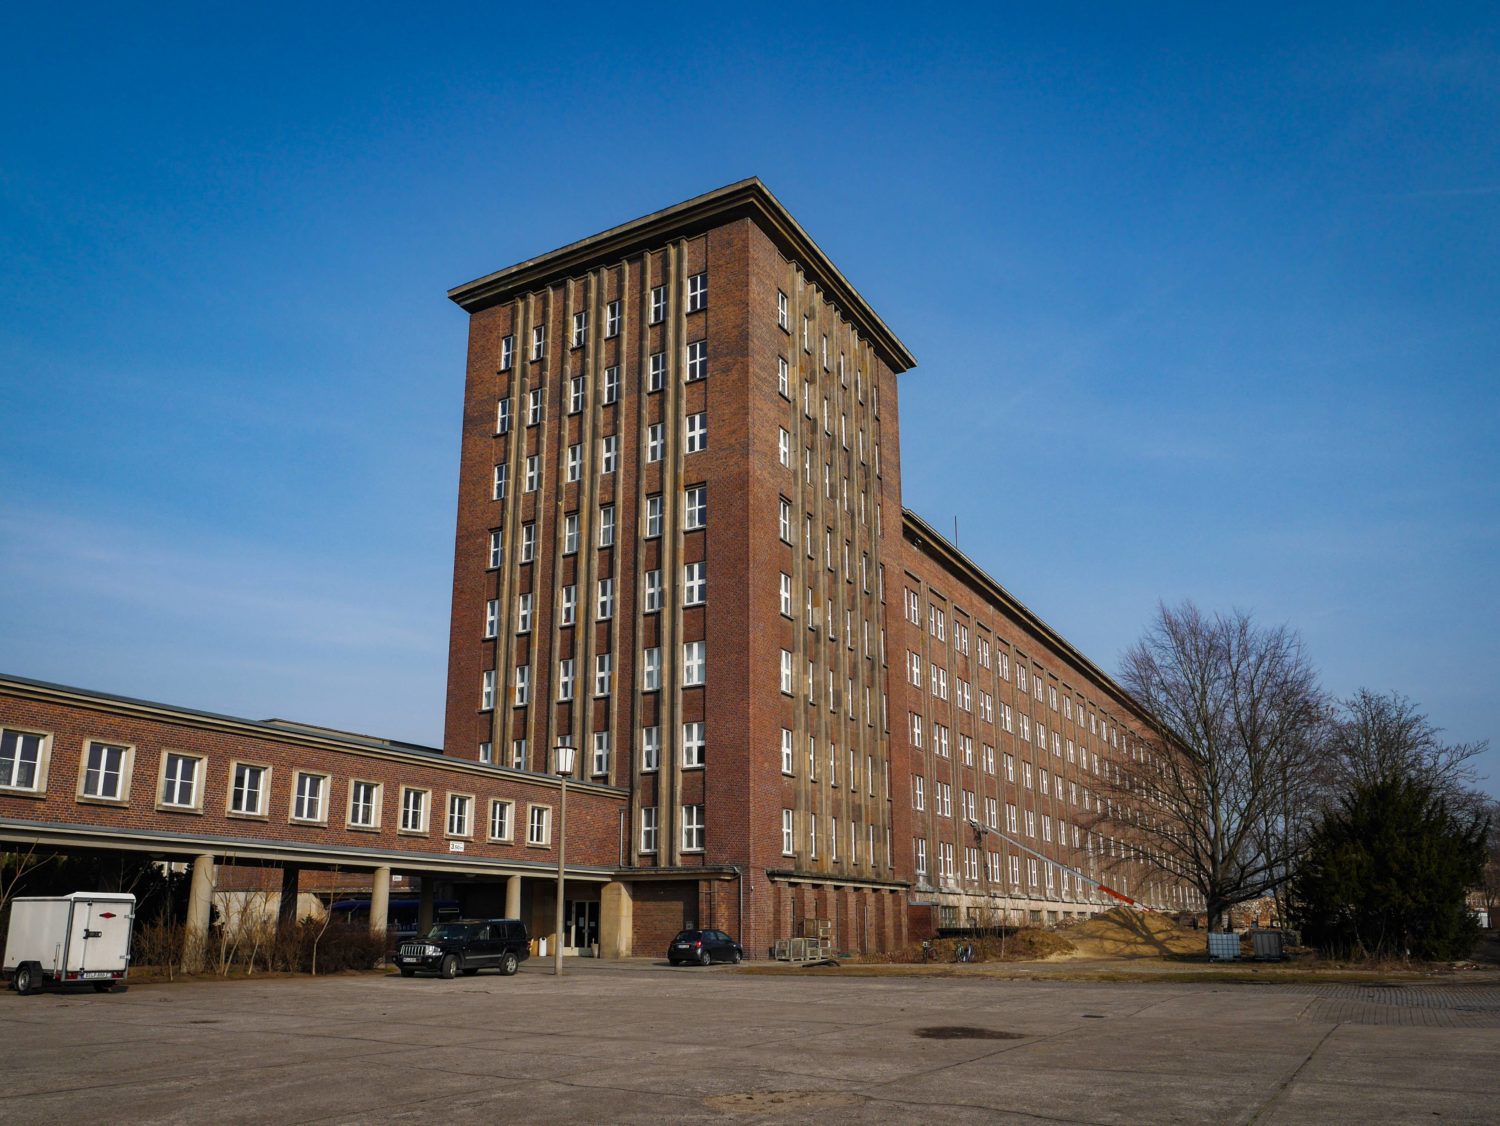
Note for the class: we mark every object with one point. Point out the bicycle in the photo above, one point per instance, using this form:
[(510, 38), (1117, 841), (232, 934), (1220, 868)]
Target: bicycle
[(963, 952), (929, 950)]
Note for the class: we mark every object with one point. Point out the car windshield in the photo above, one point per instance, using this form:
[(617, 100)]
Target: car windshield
[(448, 931)]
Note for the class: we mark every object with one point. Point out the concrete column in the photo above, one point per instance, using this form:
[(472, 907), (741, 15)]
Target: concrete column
[(513, 897), (424, 906), (200, 903), (287, 912), (380, 900), (616, 920)]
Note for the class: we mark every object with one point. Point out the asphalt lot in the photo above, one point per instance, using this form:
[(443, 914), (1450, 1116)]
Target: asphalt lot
[(637, 1042)]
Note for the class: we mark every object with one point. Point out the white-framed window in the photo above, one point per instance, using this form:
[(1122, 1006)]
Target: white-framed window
[(309, 796), (656, 371), (658, 304), (487, 690), (694, 663), (697, 293), (523, 685), (534, 407), (497, 486), (413, 810), (609, 453), (565, 678), (604, 606), (697, 360), (570, 533), (604, 673), (656, 442), (607, 526), (784, 446), (580, 329), (694, 584), (599, 764), (692, 745), (921, 853), (784, 527), (788, 833), (249, 789), (364, 805), (105, 766), (569, 604), (491, 618), (612, 319), (695, 507), (486, 751), (697, 432), (692, 828), (650, 748), (651, 669), (787, 686), (651, 598), (650, 829), (653, 516), (528, 541), (507, 352), (573, 464), (502, 819), (807, 334), (786, 751), (783, 377), (502, 417), (538, 342), (611, 384), (786, 595), (496, 553), (523, 612), (533, 473), (918, 792), (538, 824), (783, 315), (575, 395)]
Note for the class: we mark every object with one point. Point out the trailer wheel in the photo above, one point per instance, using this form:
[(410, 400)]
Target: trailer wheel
[(26, 980)]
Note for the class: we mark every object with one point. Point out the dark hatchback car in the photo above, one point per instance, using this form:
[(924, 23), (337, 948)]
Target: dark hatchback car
[(703, 947), (466, 946)]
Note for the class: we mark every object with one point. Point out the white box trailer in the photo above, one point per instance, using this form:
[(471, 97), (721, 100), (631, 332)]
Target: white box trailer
[(82, 937)]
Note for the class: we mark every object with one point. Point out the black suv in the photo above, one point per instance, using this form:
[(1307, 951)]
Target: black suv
[(466, 946)]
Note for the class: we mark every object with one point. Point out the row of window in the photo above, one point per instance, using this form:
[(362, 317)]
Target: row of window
[(694, 593), (693, 830), (694, 674), (693, 752), (697, 301), (788, 764), (694, 518), (856, 838)]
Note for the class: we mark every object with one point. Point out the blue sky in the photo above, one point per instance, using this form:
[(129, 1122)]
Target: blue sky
[(1208, 303)]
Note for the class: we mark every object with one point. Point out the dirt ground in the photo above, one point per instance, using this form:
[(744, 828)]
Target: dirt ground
[(1122, 933)]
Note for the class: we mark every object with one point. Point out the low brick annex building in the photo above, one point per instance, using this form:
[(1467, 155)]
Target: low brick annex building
[(680, 551)]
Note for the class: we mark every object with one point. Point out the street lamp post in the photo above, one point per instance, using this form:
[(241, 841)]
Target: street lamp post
[(564, 767)]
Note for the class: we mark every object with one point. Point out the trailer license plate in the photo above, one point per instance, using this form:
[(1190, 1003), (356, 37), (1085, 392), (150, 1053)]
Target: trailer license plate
[(97, 973)]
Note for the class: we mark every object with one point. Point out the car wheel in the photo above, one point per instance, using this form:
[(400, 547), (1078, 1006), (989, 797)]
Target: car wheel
[(103, 986), (25, 979), (449, 968), (704, 957), (509, 963), (407, 971), (736, 957)]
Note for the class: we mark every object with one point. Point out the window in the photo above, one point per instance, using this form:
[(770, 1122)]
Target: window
[(523, 685), (570, 533), (783, 317), (650, 833), (695, 507), (697, 293), (692, 828), (656, 371), (580, 329), (611, 384), (534, 407), (786, 751), (574, 467), (786, 595), (413, 810), (787, 686), (523, 613), (569, 604), (538, 342), (697, 360), (651, 669), (497, 488), (502, 417), (104, 771), (694, 662), (364, 805), (575, 395), (783, 377), (599, 764), (694, 583), (656, 443), (486, 751), (604, 673), (248, 790), (496, 550), (607, 526), (565, 678), (650, 748), (658, 304), (783, 447), (692, 745), (918, 792), (528, 542), (533, 473), (697, 433), (507, 352), (307, 797), (604, 608), (807, 334), (652, 596), (538, 825), (653, 516), (487, 690), (921, 857), (609, 453), (788, 834), (502, 820), (786, 521)]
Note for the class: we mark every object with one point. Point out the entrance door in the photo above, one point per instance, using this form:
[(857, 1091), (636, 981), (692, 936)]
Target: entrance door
[(581, 923)]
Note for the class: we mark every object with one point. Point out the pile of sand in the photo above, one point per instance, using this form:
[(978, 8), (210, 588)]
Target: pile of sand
[(1124, 933)]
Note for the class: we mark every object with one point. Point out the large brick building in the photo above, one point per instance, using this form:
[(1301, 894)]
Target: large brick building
[(680, 550)]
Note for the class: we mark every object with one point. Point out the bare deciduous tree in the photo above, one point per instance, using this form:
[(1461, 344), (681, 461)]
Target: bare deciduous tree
[(1218, 798), (1378, 738)]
